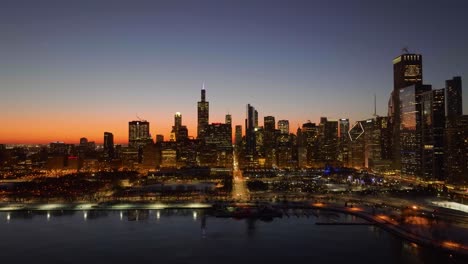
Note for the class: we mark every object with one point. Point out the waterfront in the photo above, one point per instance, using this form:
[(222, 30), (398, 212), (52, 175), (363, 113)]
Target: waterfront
[(193, 236)]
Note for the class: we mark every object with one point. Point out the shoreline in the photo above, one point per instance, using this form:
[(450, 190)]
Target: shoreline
[(380, 221)]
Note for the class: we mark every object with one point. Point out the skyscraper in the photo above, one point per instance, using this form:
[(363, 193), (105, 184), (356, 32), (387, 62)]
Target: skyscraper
[(343, 128), (328, 139), (407, 70), (109, 145), (138, 133), (217, 147), (310, 141), (238, 136), (177, 120), (219, 135), (456, 134), (256, 118), (283, 126), (453, 89), (269, 123), (357, 145), (372, 142), (203, 114), (432, 128), (266, 147), (385, 135), (411, 129), (457, 151), (228, 119), (250, 132), (179, 132), (343, 154)]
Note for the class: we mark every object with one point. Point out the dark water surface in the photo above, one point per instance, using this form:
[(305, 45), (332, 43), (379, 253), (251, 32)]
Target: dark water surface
[(193, 236)]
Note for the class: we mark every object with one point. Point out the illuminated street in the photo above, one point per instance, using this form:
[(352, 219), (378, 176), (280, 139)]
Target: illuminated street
[(239, 186)]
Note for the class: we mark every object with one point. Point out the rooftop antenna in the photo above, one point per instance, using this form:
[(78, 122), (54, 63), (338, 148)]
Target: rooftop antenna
[(203, 85), (139, 118), (375, 105)]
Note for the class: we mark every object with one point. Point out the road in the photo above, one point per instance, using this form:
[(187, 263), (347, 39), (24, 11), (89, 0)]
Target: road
[(239, 186)]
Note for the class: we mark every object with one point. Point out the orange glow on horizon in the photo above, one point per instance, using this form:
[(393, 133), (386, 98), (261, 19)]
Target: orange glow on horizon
[(44, 128)]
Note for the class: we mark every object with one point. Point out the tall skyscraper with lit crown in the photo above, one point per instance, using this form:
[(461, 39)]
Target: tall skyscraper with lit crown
[(407, 70), (203, 108)]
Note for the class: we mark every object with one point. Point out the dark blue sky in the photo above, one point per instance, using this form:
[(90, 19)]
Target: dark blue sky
[(96, 64)]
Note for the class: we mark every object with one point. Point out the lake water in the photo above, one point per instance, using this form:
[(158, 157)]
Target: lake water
[(193, 236)]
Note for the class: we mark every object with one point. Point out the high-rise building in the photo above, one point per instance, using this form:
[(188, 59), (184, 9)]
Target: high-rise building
[(282, 154), (283, 126), (368, 144), (219, 135), (218, 145), (432, 128), (456, 134), (109, 145), (182, 134), (372, 143), (343, 144), (159, 138), (228, 120), (357, 145), (269, 123), (250, 132), (407, 70), (256, 118), (138, 133), (453, 89), (259, 142), (301, 149), (179, 132), (149, 157), (328, 140), (203, 108), (238, 136), (310, 141), (177, 120), (269, 140), (411, 129), (83, 142), (343, 128), (457, 151), (385, 134)]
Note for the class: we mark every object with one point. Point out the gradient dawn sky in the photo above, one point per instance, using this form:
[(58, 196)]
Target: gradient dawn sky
[(71, 69)]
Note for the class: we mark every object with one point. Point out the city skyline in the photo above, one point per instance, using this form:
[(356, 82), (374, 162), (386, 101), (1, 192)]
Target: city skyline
[(61, 83), (125, 138), (259, 131)]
